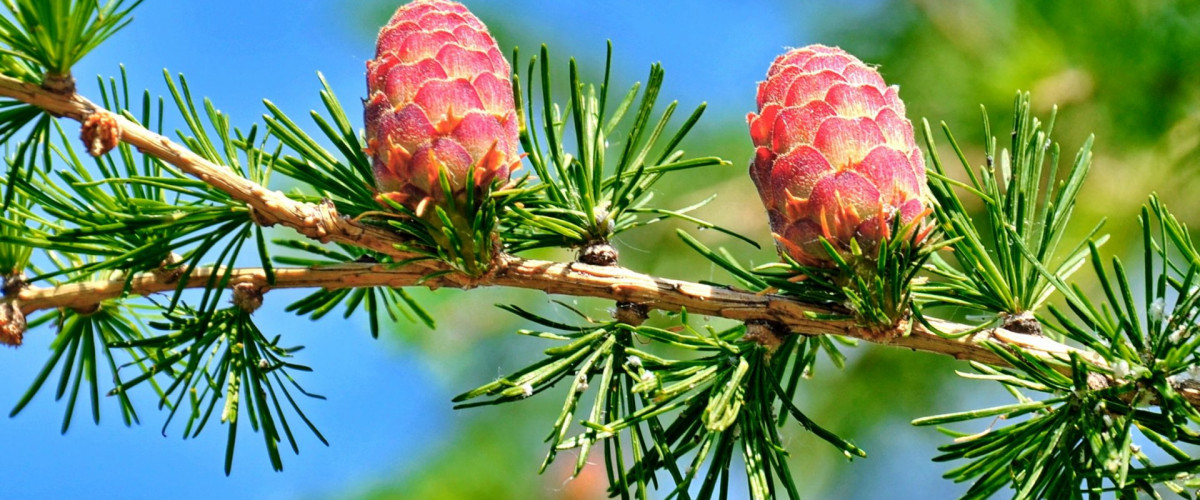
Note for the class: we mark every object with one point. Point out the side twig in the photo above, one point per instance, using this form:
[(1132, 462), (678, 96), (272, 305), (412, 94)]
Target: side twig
[(317, 221)]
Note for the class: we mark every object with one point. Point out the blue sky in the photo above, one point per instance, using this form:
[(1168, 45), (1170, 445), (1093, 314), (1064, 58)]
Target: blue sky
[(387, 405)]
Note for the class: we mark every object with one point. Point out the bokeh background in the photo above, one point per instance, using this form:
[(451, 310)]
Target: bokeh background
[(1127, 71)]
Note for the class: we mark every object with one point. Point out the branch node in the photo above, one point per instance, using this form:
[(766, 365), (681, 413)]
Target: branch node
[(59, 83), (14, 283), (247, 296), (1024, 322), (884, 334), (259, 217), (768, 334), (168, 270), (324, 216), (1098, 381), (101, 132), (631, 313), (597, 253), (87, 310), (496, 267)]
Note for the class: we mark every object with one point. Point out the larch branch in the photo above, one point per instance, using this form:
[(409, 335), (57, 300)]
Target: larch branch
[(573, 279), (317, 221), (321, 222)]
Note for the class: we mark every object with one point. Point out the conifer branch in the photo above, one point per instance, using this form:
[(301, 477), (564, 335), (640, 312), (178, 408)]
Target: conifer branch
[(574, 279), (322, 222), (317, 221), (425, 198), (577, 279)]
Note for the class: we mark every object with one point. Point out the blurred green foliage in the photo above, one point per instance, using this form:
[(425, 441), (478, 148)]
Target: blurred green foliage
[(1129, 71)]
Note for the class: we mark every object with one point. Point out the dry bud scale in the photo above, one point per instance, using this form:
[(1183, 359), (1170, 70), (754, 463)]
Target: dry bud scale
[(439, 102), (835, 155)]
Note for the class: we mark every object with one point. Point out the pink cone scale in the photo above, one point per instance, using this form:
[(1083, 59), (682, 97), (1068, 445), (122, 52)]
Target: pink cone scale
[(439, 98), (835, 155)]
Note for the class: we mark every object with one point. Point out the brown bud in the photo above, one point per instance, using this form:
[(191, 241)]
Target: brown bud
[(247, 296), (598, 254), (62, 83), (12, 324), (631, 313), (100, 133), (765, 333)]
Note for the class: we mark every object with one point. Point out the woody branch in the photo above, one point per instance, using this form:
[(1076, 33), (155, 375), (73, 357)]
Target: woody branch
[(321, 222)]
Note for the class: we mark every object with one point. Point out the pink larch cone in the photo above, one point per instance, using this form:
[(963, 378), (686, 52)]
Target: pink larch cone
[(439, 98), (836, 157)]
